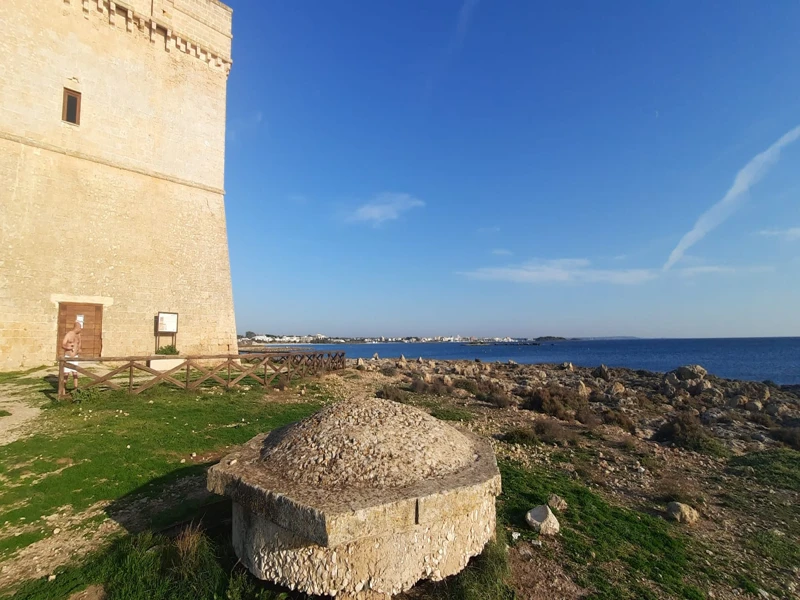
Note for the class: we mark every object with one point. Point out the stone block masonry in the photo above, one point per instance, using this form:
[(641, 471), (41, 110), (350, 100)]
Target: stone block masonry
[(125, 209)]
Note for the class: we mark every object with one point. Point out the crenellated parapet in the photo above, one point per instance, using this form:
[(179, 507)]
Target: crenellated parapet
[(199, 28)]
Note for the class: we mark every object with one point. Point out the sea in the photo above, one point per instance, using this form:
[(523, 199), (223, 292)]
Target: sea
[(755, 359)]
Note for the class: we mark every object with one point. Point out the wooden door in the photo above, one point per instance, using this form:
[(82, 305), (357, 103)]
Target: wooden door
[(92, 335)]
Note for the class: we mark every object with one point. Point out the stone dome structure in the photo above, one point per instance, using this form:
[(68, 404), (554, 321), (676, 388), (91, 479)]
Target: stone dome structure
[(361, 500)]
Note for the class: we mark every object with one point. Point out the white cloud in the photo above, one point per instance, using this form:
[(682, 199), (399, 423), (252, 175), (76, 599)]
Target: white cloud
[(745, 179), (561, 271), (502, 252), (724, 270), (791, 234), (384, 207)]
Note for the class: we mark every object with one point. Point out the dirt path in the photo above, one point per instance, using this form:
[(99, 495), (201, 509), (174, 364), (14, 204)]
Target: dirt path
[(23, 412)]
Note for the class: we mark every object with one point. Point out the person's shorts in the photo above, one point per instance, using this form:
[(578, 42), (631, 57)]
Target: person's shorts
[(72, 359)]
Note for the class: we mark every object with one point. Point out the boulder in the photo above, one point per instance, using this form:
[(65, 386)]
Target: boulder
[(567, 366), (738, 401), (420, 361), (690, 372), (557, 503), (583, 391), (447, 380), (542, 519), (777, 409), (700, 386), (360, 363), (375, 356), (682, 513), (671, 379), (754, 406), (602, 372), (617, 389)]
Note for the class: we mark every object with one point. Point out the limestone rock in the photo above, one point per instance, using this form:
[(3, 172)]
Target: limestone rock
[(754, 406), (447, 380), (617, 389), (682, 513), (375, 356), (777, 409), (738, 401), (542, 519), (688, 372), (360, 363), (583, 391), (602, 372), (567, 366), (557, 503)]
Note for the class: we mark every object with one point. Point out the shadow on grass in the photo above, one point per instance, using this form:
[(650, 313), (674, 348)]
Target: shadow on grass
[(171, 501)]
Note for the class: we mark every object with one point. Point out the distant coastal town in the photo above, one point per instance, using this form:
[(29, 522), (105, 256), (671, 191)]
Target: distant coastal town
[(250, 338)]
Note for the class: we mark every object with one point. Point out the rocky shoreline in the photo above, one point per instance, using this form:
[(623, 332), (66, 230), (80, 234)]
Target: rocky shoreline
[(717, 458), (742, 415)]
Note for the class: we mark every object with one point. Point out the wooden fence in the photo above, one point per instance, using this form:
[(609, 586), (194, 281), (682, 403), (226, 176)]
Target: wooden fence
[(190, 372)]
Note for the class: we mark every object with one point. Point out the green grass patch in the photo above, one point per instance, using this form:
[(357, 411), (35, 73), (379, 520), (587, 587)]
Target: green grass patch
[(14, 376), (112, 445), (613, 551), (446, 413), (484, 578), (4, 413), (152, 567), (778, 468), (780, 548)]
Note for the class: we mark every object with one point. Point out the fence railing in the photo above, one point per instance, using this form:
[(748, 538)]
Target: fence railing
[(191, 372)]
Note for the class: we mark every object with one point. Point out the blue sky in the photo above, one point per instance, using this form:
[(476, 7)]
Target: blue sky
[(515, 168)]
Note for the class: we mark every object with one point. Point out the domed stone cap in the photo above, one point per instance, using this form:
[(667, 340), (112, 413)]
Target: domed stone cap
[(368, 443), (358, 469)]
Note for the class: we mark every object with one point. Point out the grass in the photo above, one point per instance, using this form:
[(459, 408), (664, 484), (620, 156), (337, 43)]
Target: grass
[(484, 578), (148, 566), (112, 446), (779, 468), (451, 414), (613, 551), (780, 548), (4, 413)]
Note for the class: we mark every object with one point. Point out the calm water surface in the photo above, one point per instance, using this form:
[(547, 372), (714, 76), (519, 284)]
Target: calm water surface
[(757, 359)]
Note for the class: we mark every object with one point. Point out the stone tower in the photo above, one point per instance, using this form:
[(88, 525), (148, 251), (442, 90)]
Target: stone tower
[(112, 150)]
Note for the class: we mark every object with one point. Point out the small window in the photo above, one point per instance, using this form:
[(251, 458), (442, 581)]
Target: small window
[(71, 112)]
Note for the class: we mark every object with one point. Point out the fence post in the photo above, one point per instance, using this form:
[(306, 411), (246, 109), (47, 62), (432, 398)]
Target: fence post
[(130, 377), (187, 374), (62, 391)]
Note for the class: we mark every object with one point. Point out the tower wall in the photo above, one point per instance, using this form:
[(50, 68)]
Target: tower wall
[(125, 209)]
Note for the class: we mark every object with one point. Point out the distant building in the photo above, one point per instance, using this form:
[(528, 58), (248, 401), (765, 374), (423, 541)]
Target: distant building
[(112, 146)]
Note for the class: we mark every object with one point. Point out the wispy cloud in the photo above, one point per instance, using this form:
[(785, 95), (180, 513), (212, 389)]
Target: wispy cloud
[(463, 21), (502, 252), (384, 207), (462, 25), (724, 270), (245, 125), (791, 234), (566, 270), (752, 172)]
